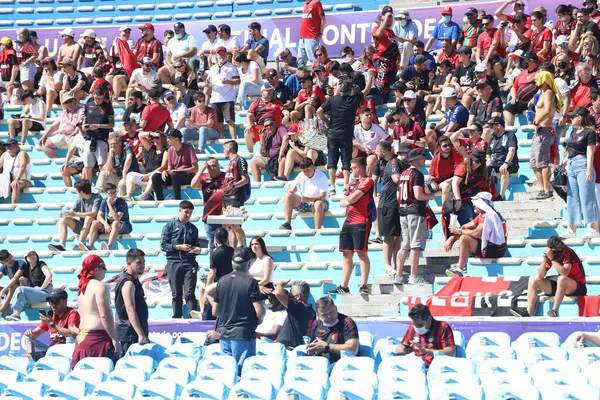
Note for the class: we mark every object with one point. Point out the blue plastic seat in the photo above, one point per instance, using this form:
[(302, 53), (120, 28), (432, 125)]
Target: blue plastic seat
[(351, 391), (116, 390), (24, 390), (69, 390), (538, 354), (556, 392), (402, 390), (162, 339), (186, 364), (227, 377), (536, 339), (192, 337), (253, 390), (8, 378), (186, 350), (317, 364), (365, 364), (592, 371), (102, 364), (134, 376), (302, 391), (218, 362), (441, 365), (92, 377), (367, 344), (492, 352), (306, 377), (275, 364), (408, 364), (47, 377), (492, 382), (499, 365), (482, 339), (209, 390), (158, 388), (515, 392), (143, 363), (153, 350), (266, 376), (584, 357), (557, 372), (569, 343), (459, 338), (21, 365), (270, 349), (212, 349), (179, 376), (456, 391), (60, 364), (340, 377)]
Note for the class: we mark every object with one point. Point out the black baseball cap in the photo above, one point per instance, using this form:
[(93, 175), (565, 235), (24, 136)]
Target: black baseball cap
[(465, 50), (471, 11), (57, 295), (404, 148), (345, 87), (530, 55), (154, 93), (415, 154), (477, 155), (584, 112), (242, 255), (421, 59), (11, 141), (497, 121), (210, 28), (179, 25), (386, 10), (174, 133)]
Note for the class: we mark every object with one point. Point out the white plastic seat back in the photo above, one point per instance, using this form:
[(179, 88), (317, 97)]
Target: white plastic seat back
[(102, 364), (456, 391), (459, 338), (482, 354), (397, 378), (56, 363), (70, 390), (569, 342), (143, 363), (272, 377), (306, 377), (209, 390), (8, 378), (500, 366), (385, 348), (227, 363), (516, 392), (530, 340), (185, 350), (351, 391), (452, 378), (61, 350), (491, 382), (340, 378), (158, 388), (301, 391), (48, 377), (317, 364), (134, 376), (538, 354), (561, 392), (20, 364), (275, 364), (92, 377), (402, 364), (482, 339), (152, 350), (441, 365), (227, 377), (192, 337), (584, 357), (188, 365), (179, 376), (24, 390), (253, 390), (162, 339), (365, 364), (401, 390), (592, 371), (270, 349), (116, 390)]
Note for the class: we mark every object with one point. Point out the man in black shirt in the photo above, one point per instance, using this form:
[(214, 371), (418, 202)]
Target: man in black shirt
[(341, 111), (300, 313), (388, 219), (464, 75), (184, 95), (237, 302), (220, 259), (502, 152), (179, 239), (332, 332), (415, 107), (416, 76), (99, 122), (234, 188), (134, 111), (584, 25), (282, 93), (130, 303)]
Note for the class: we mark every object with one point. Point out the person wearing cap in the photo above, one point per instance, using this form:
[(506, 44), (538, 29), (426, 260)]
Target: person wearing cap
[(179, 111), (131, 309), (412, 203), (257, 46), (456, 117), (17, 272), (259, 111), (406, 32), (366, 137), (385, 59), (200, 125), (471, 29), (237, 301), (339, 112), (153, 148), (148, 46), (416, 76), (143, 79), (60, 321), (486, 106), (178, 167), (74, 82), (208, 48), (518, 10), (70, 49), (50, 83), (182, 47), (251, 79), (502, 152), (523, 89), (281, 93), (464, 74), (448, 53), (581, 175), (155, 117), (415, 108), (489, 47), (311, 31), (563, 49), (64, 128), (97, 335), (99, 122), (17, 165), (446, 28), (309, 99), (484, 237), (32, 117), (39, 288), (419, 48), (223, 76), (591, 6), (91, 48)]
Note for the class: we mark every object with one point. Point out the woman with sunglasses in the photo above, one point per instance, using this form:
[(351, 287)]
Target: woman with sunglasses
[(250, 77), (155, 146), (321, 57)]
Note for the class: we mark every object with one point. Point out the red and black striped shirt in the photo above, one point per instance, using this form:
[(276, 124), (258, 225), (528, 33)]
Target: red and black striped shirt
[(438, 337), (212, 195)]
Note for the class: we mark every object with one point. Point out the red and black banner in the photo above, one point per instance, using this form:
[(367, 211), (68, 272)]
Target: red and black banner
[(491, 296), (589, 306)]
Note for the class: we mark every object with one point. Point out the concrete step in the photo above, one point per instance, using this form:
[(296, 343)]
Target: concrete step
[(368, 310), (381, 299), (529, 196)]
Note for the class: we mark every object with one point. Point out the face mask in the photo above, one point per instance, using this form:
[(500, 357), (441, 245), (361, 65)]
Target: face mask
[(179, 36), (562, 64), (422, 330), (326, 325), (347, 59), (403, 23), (447, 18)]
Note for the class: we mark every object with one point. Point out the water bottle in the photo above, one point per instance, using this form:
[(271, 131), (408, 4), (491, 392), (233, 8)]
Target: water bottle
[(64, 212), (530, 116), (306, 340)]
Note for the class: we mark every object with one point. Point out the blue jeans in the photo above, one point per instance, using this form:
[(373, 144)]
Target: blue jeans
[(239, 349), (306, 51), (26, 296), (247, 89), (210, 233), (202, 135), (581, 194)]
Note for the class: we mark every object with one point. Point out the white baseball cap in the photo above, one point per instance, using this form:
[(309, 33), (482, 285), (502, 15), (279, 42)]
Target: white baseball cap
[(448, 92), (124, 28), (89, 33), (67, 32), (409, 94), (146, 60), (561, 40), (481, 67)]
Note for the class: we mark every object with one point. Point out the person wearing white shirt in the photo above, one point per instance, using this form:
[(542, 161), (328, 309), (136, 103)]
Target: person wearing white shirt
[(366, 137), (251, 79), (231, 43), (275, 316), (307, 193), (223, 77), (208, 48), (406, 32), (179, 111), (182, 46), (142, 79)]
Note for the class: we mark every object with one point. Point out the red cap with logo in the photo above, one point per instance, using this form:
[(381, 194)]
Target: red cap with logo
[(146, 26), (447, 10)]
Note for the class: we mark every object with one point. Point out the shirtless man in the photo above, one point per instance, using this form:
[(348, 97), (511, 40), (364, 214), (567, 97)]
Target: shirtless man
[(543, 148), (97, 334), (71, 49)]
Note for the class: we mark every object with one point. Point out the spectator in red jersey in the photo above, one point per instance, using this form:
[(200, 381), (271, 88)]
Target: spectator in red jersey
[(412, 204), (155, 116), (592, 8), (354, 236), (523, 89), (385, 59), (570, 280), (406, 130), (448, 53), (489, 47), (210, 179), (148, 46), (131, 138), (540, 36), (178, 167), (259, 111), (308, 101), (426, 337), (465, 184), (321, 58), (566, 22), (236, 179), (484, 237), (26, 56), (466, 139), (441, 171), (311, 31), (154, 147), (9, 65), (581, 93)]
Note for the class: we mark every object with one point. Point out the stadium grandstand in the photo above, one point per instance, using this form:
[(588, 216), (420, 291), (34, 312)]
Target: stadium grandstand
[(184, 186)]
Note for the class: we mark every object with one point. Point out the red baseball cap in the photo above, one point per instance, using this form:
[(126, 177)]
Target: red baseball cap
[(146, 26), (447, 10), (220, 48)]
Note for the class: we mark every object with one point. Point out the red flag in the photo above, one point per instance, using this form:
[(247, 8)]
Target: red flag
[(128, 59), (589, 306)]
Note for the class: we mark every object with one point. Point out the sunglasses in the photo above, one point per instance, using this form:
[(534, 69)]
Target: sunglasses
[(111, 193), (318, 54), (286, 55)]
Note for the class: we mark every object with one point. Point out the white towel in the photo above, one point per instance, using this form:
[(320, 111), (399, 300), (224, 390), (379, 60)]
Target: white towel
[(5, 185), (493, 231)]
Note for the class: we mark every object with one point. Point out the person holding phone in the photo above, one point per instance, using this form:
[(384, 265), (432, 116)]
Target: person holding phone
[(60, 321), (32, 118)]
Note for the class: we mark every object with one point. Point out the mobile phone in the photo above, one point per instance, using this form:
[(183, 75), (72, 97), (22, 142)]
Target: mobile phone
[(86, 126), (504, 24), (15, 116), (43, 312)]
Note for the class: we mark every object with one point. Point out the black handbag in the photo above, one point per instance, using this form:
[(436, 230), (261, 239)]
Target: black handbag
[(559, 176)]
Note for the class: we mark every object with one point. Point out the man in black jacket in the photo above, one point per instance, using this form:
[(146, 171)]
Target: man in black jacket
[(179, 239)]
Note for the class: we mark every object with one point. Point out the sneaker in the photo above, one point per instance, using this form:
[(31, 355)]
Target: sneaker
[(364, 289), (332, 190), (391, 272), (538, 194), (286, 226), (104, 246), (550, 313), (592, 233), (455, 271), (281, 178), (340, 175), (339, 290), (544, 196), (416, 280), (376, 240), (196, 314), (169, 197), (13, 317), (399, 280), (82, 247), (517, 314), (568, 234), (56, 247), (141, 197)]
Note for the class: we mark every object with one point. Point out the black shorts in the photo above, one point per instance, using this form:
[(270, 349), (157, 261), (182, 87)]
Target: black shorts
[(235, 203), (388, 221), (355, 237), (491, 252), (512, 169), (225, 111), (580, 291), (517, 108), (37, 355)]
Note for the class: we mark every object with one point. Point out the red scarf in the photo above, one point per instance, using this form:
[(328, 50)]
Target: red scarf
[(128, 59)]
